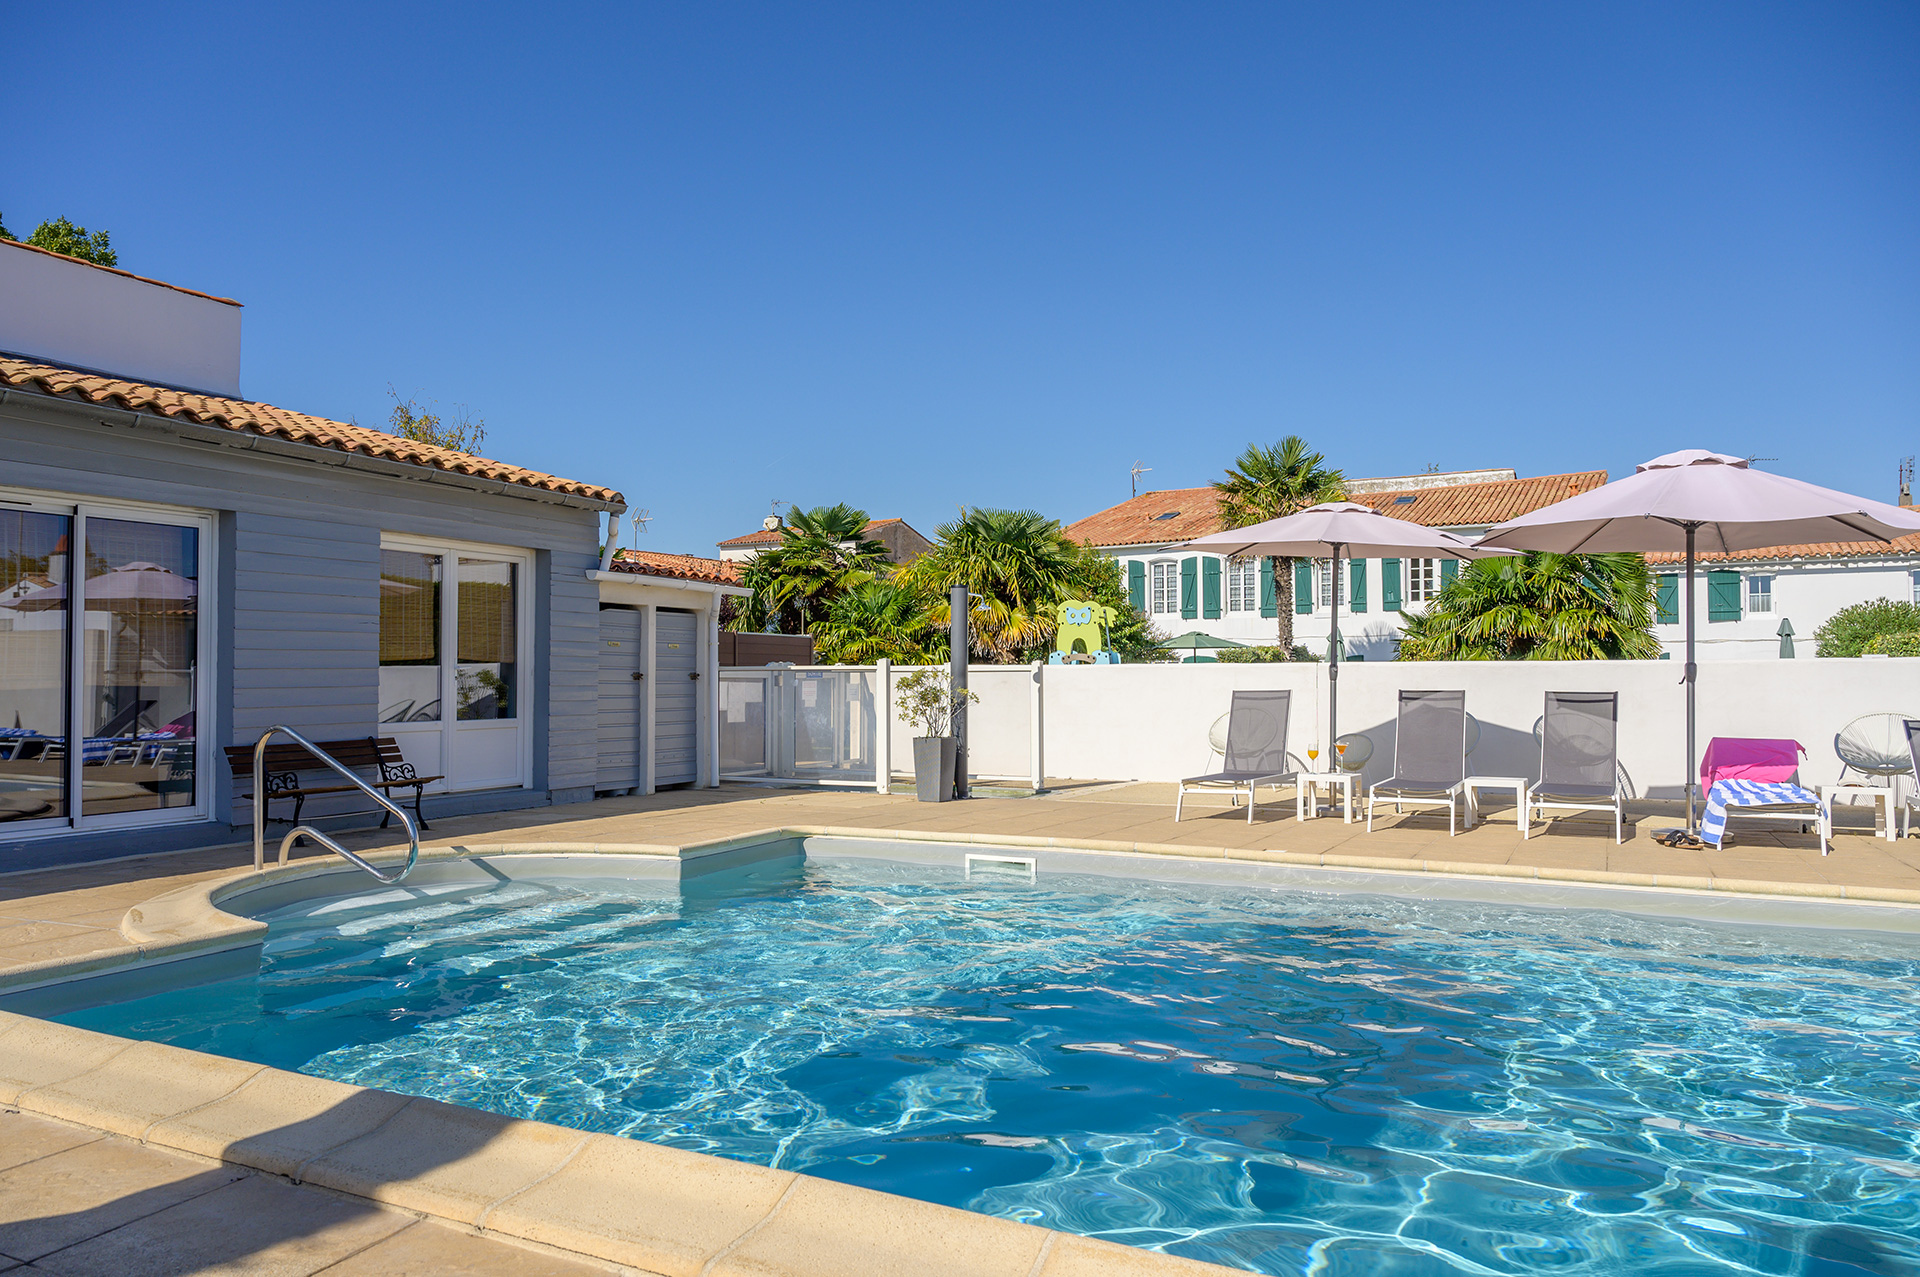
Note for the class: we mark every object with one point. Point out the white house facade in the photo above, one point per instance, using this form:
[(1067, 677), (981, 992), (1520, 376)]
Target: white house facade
[(1743, 601), (1234, 598)]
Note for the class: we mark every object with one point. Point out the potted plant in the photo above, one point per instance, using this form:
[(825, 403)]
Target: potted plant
[(926, 699)]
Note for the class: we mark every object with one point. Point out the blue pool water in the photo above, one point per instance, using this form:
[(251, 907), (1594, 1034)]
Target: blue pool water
[(1285, 1082)]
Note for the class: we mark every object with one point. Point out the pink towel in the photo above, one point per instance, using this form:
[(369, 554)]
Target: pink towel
[(1749, 758)]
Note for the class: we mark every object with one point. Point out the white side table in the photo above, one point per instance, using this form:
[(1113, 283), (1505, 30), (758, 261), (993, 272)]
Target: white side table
[(1518, 784), (1306, 797), (1306, 792), (1884, 805)]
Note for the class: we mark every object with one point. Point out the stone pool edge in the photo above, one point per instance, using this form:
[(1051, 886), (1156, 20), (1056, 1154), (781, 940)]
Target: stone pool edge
[(648, 1207)]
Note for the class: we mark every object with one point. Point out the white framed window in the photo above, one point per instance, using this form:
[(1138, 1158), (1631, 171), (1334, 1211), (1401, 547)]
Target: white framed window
[(1163, 578), (1243, 584), (106, 647), (455, 624), (1916, 587), (1423, 580), (1324, 574), (1760, 593)]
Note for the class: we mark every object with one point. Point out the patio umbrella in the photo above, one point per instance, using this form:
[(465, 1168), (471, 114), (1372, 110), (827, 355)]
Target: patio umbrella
[(1337, 530), (1194, 640), (1692, 499)]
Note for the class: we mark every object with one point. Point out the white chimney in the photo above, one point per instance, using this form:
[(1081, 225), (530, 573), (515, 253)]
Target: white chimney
[(63, 311), (770, 524)]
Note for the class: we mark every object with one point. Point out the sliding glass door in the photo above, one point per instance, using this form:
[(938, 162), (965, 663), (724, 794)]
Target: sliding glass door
[(102, 666), (35, 650), (452, 689)]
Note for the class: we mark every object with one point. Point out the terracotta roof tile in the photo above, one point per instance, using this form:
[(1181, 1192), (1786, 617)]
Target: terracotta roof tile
[(276, 423), (1181, 514), (766, 536), (1473, 505), (1906, 545), (1178, 514), (685, 567)]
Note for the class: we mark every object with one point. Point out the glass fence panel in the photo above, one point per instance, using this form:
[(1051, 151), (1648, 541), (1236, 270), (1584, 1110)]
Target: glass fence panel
[(743, 725), (833, 724)]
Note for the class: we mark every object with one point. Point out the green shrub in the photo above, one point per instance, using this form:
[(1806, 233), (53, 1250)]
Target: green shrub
[(1904, 644), (1851, 630), (1262, 655)]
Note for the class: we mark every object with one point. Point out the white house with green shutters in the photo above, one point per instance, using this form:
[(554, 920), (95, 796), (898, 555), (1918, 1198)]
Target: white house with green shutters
[(1234, 598), (1745, 600)]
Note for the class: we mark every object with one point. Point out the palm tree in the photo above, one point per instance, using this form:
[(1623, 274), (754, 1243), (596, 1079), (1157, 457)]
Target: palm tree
[(877, 619), (822, 552), (1017, 564), (1540, 607), (1272, 483)]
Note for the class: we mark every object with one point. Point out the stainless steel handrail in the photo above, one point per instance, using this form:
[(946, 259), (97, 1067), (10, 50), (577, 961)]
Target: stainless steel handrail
[(260, 810)]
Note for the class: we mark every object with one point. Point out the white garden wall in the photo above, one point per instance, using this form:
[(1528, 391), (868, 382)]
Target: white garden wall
[(1149, 722)]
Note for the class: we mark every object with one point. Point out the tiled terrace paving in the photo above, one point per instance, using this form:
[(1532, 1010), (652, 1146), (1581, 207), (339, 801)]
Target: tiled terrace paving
[(74, 1199)]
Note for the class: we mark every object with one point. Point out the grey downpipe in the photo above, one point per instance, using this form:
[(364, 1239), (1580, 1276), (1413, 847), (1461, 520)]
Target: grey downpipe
[(260, 810)]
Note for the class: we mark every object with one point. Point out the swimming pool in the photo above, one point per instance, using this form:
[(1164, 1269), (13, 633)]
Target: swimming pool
[(1279, 1080)]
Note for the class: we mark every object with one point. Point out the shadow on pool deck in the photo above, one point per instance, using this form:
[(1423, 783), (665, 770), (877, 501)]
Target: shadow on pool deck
[(75, 1201)]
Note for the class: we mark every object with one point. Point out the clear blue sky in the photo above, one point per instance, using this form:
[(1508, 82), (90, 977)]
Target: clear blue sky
[(915, 256)]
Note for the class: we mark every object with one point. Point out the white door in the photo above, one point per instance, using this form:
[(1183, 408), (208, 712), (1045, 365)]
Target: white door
[(623, 702), (452, 675)]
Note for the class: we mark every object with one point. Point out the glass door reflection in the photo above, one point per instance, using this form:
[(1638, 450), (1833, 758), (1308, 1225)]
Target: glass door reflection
[(139, 661), (34, 646)]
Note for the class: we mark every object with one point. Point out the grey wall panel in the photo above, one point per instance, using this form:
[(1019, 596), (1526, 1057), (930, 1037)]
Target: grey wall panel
[(573, 671)]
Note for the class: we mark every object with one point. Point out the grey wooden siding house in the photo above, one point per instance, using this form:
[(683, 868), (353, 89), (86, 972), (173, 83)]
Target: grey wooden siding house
[(180, 569)]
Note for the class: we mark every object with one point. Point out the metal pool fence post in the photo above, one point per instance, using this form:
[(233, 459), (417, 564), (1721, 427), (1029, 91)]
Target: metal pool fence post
[(883, 726), (1035, 734), (959, 644)]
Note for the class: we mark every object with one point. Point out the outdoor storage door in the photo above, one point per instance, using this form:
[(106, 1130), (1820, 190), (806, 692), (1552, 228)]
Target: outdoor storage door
[(622, 700), (675, 698)]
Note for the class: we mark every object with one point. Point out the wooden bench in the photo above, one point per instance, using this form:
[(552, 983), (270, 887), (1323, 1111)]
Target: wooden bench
[(286, 762)]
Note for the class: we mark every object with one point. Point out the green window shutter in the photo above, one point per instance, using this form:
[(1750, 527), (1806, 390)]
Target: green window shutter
[(1137, 584), (1189, 589), (1302, 586), (1269, 597), (1666, 599), (1390, 585), (1449, 569), (1210, 588), (1723, 596), (1357, 585)]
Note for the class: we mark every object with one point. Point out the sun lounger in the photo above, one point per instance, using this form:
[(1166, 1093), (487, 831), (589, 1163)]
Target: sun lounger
[(1256, 752), (1579, 760), (1429, 755)]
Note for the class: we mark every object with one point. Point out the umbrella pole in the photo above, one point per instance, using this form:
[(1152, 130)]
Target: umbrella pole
[(1687, 677), (1333, 663)]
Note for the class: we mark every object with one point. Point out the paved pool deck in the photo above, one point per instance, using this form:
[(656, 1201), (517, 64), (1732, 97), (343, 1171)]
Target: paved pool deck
[(95, 1177)]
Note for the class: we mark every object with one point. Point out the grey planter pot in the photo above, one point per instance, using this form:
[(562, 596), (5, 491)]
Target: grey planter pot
[(933, 767)]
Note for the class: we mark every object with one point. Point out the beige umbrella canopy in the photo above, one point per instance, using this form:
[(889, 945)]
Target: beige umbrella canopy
[(1692, 500), (1337, 530)]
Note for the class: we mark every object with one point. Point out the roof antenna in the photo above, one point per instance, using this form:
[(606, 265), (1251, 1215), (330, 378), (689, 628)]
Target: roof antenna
[(641, 518), (772, 522), (1906, 481), (1139, 470)]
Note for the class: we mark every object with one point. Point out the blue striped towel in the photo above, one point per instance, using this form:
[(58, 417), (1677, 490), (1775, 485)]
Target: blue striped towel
[(1746, 793)]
